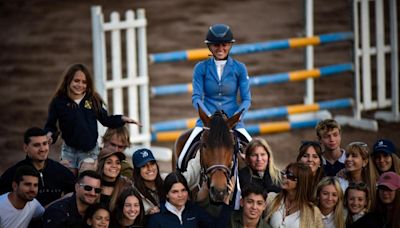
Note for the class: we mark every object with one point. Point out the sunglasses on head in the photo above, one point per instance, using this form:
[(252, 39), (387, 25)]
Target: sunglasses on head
[(361, 144), (360, 185), (289, 175), (89, 188)]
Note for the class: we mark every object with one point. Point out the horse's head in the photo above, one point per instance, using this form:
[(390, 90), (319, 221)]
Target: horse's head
[(217, 151)]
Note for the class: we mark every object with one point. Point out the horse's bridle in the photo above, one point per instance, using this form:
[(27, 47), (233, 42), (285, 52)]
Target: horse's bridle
[(225, 169)]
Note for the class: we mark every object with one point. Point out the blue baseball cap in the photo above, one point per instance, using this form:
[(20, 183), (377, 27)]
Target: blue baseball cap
[(141, 156), (384, 146)]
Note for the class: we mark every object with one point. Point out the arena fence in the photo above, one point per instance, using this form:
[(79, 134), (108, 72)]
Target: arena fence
[(134, 81), (367, 54)]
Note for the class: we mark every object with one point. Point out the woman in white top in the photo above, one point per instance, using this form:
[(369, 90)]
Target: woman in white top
[(329, 199), (292, 207)]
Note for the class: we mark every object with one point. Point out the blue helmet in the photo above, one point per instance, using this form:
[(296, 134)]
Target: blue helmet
[(219, 33)]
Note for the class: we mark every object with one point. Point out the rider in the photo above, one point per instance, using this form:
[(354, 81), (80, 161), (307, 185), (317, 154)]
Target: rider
[(217, 81)]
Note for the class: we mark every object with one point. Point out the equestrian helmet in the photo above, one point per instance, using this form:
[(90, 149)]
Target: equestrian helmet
[(219, 33)]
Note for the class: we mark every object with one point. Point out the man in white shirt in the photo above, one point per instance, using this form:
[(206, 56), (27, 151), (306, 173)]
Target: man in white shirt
[(19, 207)]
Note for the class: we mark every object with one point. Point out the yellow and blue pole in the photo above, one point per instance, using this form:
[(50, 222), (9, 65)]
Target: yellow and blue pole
[(261, 114), (256, 129), (240, 49), (262, 80)]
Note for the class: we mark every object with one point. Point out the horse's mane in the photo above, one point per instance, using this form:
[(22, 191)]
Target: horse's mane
[(219, 134)]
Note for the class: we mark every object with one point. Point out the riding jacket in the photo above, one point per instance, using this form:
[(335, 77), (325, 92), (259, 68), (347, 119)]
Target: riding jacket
[(213, 94)]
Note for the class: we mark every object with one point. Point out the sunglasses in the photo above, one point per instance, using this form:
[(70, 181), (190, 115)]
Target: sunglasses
[(89, 188), (289, 175)]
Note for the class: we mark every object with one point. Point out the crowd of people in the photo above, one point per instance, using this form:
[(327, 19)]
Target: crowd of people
[(364, 190), (93, 185)]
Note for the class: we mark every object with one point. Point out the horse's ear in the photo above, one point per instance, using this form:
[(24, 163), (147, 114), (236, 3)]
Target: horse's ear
[(231, 122), (203, 116)]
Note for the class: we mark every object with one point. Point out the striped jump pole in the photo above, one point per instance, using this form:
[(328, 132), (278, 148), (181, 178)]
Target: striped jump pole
[(256, 129), (262, 80), (240, 49), (261, 114)]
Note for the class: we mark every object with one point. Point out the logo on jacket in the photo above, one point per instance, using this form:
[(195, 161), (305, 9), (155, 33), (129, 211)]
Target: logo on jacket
[(88, 104)]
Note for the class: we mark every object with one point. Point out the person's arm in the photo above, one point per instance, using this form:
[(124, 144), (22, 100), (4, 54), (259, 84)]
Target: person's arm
[(39, 209), (244, 89), (54, 217), (192, 173), (68, 181), (111, 121), (51, 124), (114, 121), (199, 75), (220, 214)]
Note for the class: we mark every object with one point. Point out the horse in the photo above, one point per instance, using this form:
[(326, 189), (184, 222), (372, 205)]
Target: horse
[(217, 151)]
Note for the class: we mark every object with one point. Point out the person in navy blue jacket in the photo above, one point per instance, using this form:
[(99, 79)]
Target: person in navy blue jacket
[(54, 179), (76, 107), (177, 211), (217, 82)]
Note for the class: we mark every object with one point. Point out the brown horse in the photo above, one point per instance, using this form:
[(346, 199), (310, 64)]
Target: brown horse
[(216, 147)]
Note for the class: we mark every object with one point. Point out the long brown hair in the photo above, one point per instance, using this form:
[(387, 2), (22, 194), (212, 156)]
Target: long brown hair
[(121, 183), (303, 190), (317, 147), (141, 187), (63, 88), (118, 213), (390, 211), (368, 173)]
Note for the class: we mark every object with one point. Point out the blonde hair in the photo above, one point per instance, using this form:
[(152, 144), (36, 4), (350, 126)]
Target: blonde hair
[(369, 174), (339, 211), (121, 133), (273, 169)]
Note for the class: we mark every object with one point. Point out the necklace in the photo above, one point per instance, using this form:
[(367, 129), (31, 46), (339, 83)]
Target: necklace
[(288, 207)]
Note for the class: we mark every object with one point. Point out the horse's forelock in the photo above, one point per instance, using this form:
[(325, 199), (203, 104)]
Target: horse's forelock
[(219, 134)]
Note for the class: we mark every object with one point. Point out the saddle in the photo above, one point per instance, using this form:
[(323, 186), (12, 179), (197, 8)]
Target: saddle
[(195, 146), (191, 152)]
